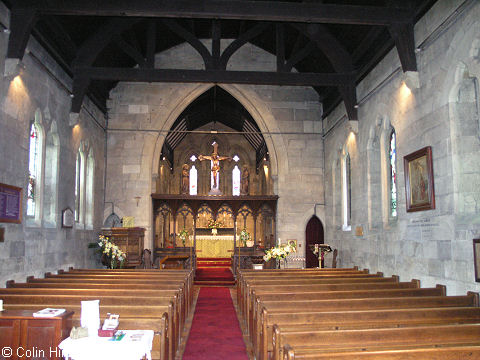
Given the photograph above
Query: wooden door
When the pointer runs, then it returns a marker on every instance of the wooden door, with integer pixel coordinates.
(313, 235)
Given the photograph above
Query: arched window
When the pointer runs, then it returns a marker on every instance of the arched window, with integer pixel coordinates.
(35, 169)
(193, 180)
(89, 193)
(346, 193)
(79, 186)
(52, 151)
(393, 173)
(236, 181)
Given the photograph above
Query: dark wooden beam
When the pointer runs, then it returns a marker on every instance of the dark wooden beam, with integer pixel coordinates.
(404, 38)
(192, 40)
(338, 57)
(90, 49)
(80, 86)
(219, 9)
(130, 51)
(299, 56)
(240, 41)
(280, 46)
(151, 43)
(216, 37)
(217, 76)
(21, 24)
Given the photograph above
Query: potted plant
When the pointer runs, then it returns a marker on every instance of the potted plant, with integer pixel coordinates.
(183, 235)
(111, 256)
(245, 238)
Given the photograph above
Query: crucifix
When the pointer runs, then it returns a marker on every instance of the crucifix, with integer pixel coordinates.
(215, 158)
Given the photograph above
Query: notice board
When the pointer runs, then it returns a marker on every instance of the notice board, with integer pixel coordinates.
(10, 204)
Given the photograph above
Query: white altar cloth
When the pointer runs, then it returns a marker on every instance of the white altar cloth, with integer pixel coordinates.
(131, 347)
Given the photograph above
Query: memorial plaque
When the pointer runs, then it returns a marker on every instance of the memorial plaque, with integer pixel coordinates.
(10, 204)
(68, 218)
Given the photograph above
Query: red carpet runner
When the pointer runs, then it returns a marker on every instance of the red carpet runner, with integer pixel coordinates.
(214, 272)
(215, 332)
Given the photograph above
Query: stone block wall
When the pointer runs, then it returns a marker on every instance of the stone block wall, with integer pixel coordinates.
(36, 247)
(289, 117)
(434, 245)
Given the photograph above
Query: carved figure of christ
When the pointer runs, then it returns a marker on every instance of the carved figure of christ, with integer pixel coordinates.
(215, 158)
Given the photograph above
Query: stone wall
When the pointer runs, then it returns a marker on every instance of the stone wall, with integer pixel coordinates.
(435, 245)
(289, 117)
(35, 247)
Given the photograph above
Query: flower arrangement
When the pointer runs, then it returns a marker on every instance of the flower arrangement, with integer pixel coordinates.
(279, 252)
(213, 224)
(183, 235)
(112, 256)
(245, 237)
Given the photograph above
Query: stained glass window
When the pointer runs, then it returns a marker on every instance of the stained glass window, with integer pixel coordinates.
(347, 192)
(393, 174)
(78, 183)
(33, 169)
(193, 180)
(236, 181)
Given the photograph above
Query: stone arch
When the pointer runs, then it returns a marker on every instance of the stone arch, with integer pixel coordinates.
(259, 111)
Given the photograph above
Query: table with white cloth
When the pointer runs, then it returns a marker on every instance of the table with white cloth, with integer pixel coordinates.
(220, 246)
(135, 345)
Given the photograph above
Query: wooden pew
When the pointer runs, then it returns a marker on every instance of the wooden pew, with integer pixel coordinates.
(252, 276)
(131, 318)
(327, 279)
(113, 289)
(340, 320)
(446, 352)
(371, 339)
(312, 306)
(245, 300)
(265, 300)
(120, 281)
(70, 301)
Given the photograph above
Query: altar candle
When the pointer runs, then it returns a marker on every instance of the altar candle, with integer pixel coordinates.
(279, 241)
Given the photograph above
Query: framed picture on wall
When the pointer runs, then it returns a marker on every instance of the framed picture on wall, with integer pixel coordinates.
(419, 189)
(292, 243)
(476, 258)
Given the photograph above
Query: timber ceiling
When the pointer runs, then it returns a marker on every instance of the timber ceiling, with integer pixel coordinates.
(331, 44)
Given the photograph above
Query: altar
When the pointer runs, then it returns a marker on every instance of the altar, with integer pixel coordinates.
(219, 246)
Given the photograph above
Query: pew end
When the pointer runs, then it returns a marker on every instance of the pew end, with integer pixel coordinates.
(476, 301)
(9, 283)
(30, 278)
(443, 288)
(416, 282)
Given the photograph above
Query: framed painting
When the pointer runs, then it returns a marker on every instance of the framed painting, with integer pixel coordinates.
(419, 188)
(10, 204)
(293, 243)
(476, 258)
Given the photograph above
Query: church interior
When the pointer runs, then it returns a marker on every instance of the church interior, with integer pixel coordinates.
(283, 169)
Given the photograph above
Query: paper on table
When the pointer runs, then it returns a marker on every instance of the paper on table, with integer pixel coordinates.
(90, 317)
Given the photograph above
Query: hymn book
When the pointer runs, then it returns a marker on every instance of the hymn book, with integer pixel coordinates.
(48, 312)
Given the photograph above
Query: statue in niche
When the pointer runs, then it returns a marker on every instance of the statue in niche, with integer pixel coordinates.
(215, 158)
(185, 179)
(245, 181)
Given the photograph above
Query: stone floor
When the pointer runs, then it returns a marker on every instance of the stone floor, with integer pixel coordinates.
(188, 325)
